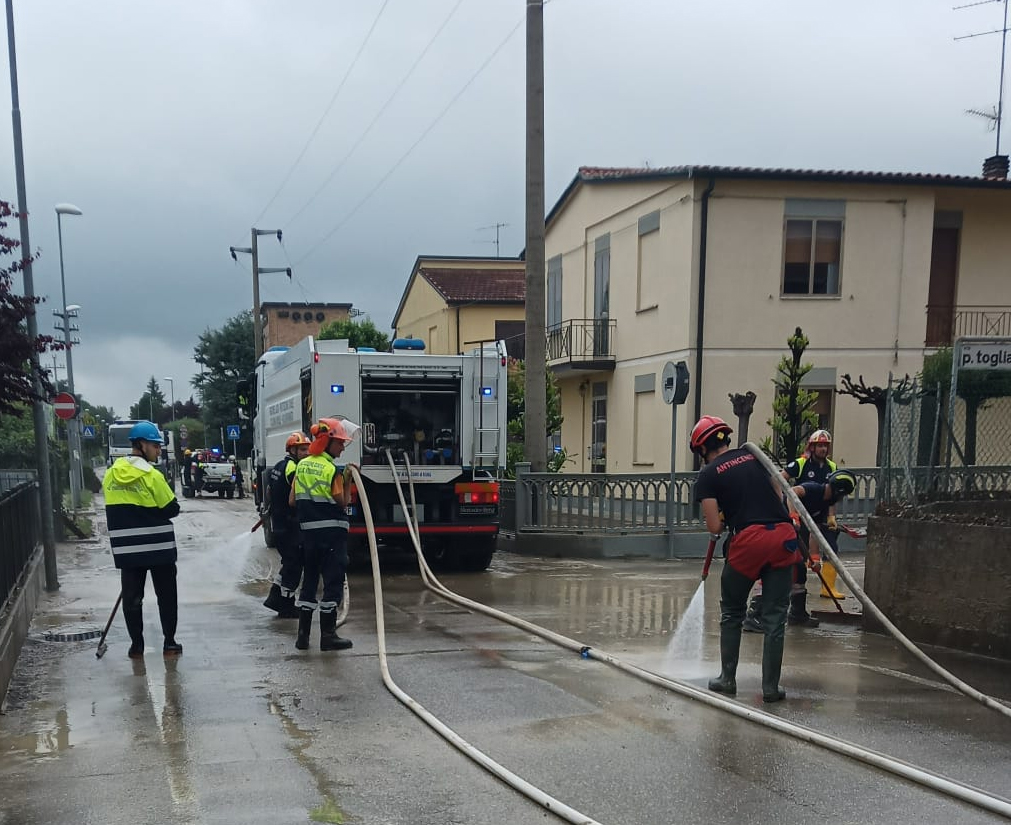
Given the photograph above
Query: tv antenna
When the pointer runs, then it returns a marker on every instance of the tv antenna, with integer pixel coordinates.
(496, 227)
(995, 116)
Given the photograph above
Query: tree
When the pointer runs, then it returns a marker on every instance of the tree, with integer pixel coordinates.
(151, 406)
(359, 334)
(17, 370)
(878, 397)
(515, 414)
(793, 412)
(226, 356)
(975, 387)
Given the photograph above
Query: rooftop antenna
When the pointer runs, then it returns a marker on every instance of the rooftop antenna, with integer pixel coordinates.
(496, 227)
(996, 115)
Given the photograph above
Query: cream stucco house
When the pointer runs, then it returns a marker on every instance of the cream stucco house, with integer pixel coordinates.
(716, 266)
(454, 303)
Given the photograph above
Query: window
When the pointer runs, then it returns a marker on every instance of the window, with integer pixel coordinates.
(812, 244)
(553, 304)
(649, 261)
(644, 419)
(601, 294)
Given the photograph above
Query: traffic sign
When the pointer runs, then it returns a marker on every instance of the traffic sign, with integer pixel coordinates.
(87, 431)
(183, 432)
(233, 432)
(65, 405)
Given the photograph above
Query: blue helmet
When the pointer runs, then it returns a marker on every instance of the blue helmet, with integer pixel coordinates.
(145, 431)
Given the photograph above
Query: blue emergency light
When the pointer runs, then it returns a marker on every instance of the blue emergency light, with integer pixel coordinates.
(486, 391)
(336, 389)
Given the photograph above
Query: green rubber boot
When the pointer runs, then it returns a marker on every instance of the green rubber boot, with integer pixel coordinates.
(730, 648)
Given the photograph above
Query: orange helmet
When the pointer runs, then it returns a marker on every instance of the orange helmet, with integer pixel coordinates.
(707, 427)
(819, 437)
(322, 431)
(295, 439)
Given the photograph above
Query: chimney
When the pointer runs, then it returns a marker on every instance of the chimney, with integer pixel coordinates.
(996, 167)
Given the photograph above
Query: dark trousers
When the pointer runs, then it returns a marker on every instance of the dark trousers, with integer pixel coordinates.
(133, 581)
(289, 546)
(326, 556)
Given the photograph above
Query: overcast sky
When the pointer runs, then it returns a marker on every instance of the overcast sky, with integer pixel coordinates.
(176, 126)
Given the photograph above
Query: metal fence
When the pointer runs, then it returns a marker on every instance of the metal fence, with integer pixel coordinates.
(932, 447)
(9, 479)
(630, 503)
(20, 533)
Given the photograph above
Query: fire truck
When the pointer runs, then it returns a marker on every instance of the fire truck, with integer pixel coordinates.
(445, 413)
(119, 445)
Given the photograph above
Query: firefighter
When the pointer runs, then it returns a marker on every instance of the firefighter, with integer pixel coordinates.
(763, 546)
(818, 498)
(139, 507)
(284, 526)
(813, 466)
(320, 495)
(187, 468)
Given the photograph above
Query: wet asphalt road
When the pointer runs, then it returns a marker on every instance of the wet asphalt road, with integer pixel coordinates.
(244, 728)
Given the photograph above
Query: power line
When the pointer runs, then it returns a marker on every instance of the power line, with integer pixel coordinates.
(413, 146)
(326, 112)
(382, 109)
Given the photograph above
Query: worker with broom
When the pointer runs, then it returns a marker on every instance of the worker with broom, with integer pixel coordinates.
(764, 545)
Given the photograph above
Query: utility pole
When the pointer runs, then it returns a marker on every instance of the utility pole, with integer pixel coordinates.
(257, 272)
(535, 447)
(38, 409)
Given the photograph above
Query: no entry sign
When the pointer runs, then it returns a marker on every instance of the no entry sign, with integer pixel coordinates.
(65, 405)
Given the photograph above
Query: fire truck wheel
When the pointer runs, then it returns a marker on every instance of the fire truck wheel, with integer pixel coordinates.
(474, 555)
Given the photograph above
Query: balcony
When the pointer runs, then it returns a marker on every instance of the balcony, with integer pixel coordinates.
(585, 344)
(946, 323)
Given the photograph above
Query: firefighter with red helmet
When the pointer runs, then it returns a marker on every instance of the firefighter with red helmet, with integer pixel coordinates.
(284, 526)
(320, 495)
(763, 546)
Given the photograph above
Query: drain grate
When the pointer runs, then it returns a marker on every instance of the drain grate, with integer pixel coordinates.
(72, 637)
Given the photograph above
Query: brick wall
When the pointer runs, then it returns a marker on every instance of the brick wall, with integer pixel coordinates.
(286, 332)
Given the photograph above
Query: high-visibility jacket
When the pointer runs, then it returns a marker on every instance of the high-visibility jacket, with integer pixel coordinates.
(139, 507)
(316, 483)
(795, 469)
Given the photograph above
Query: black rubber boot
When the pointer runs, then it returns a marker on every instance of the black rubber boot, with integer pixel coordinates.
(136, 650)
(274, 600)
(304, 626)
(798, 615)
(289, 611)
(753, 618)
(774, 619)
(730, 648)
(172, 648)
(328, 638)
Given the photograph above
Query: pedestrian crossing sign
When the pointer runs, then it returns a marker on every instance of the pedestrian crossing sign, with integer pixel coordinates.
(88, 431)
(233, 432)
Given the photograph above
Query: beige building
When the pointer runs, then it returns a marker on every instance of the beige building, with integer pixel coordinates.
(716, 266)
(454, 303)
(284, 325)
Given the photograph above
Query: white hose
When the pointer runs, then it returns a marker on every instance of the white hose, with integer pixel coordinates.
(921, 776)
(527, 789)
(862, 597)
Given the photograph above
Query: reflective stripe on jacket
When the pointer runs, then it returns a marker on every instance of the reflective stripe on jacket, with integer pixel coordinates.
(314, 501)
(139, 507)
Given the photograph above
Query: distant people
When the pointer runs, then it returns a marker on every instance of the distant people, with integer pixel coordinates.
(188, 468)
(198, 473)
(320, 496)
(237, 466)
(139, 507)
(763, 545)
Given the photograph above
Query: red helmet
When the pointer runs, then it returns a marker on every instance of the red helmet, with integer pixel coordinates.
(322, 431)
(708, 426)
(818, 437)
(295, 439)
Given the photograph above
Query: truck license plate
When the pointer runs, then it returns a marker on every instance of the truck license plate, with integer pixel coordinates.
(398, 514)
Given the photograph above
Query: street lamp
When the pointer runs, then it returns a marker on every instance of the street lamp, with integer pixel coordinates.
(172, 395)
(74, 424)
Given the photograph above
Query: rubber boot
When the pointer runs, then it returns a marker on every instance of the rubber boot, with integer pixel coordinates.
(304, 626)
(829, 573)
(171, 648)
(136, 650)
(730, 648)
(289, 611)
(274, 600)
(753, 618)
(798, 615)
(328, 638)
(772, 653)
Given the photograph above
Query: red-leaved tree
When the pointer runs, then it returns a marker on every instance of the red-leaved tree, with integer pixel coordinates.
(17, 380)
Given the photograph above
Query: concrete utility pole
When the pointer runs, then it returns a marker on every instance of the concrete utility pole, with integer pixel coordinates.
(535, 447)
(38, 409)
(257, 272)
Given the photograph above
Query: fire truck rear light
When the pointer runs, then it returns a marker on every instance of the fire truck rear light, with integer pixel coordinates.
(477, 493)
(315, 357)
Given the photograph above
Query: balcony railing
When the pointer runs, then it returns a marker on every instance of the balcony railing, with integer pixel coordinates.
(945, 323)
(581, 344)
